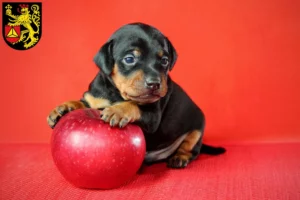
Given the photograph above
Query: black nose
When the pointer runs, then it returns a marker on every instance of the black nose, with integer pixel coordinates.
(153, 83)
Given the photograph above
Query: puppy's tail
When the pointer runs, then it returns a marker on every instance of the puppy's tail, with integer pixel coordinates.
(207, 149)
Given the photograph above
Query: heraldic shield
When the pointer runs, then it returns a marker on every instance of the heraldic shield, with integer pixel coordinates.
(22, 24)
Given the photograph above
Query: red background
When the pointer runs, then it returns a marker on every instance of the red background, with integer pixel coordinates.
(238, 60)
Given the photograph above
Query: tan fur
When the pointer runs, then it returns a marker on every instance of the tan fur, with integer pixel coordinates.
(184, 154)
(63, 108)
(164, 86)
(160, 53)
(128, 85)
(134, 84)
(190, 141)
(123, 110)
(96, 103)
(137, 52)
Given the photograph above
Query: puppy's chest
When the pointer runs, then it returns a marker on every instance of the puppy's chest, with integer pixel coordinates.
(163, 137)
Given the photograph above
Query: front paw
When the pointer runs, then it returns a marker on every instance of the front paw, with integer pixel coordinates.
(121, 114)
(61, 110)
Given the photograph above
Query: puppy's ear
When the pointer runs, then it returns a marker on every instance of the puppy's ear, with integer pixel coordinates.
(173, 54)
(104, 58)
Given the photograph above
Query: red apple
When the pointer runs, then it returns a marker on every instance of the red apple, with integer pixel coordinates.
(91, 154)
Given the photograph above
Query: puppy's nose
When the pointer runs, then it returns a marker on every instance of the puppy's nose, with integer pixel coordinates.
(153, 83)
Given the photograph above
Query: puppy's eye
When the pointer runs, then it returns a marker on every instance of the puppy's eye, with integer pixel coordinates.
(129, 59)
(164, 61)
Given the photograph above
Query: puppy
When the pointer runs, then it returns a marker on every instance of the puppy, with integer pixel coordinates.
(133, 86)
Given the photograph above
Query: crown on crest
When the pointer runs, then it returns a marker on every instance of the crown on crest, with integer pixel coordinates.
(23, 5)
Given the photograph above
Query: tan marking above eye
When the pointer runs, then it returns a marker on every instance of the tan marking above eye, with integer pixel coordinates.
(137, 52)
(160, 53)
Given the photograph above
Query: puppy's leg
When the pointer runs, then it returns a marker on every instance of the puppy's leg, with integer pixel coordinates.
(88, 101)
(120, 114)
(61, 110)
(187, 151)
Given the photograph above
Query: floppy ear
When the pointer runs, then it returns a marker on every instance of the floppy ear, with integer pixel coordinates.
(104, 58)
(173, 54)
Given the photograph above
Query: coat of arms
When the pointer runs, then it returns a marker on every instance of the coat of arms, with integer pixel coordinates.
(22, 24)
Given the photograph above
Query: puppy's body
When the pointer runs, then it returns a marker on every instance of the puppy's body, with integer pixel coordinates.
(133, 86)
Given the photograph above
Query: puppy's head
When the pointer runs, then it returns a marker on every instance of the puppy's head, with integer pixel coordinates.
(138, 58)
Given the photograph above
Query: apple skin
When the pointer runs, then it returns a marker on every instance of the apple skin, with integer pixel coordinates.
(91, 154)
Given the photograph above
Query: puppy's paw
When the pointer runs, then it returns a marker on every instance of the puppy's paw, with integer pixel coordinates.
(121, 114)
(61, 110)
(178, 161)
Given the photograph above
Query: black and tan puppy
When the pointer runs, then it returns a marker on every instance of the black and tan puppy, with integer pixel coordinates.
(133, 86)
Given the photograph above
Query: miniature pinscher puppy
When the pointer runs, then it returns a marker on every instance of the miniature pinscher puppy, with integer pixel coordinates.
(133, 86)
